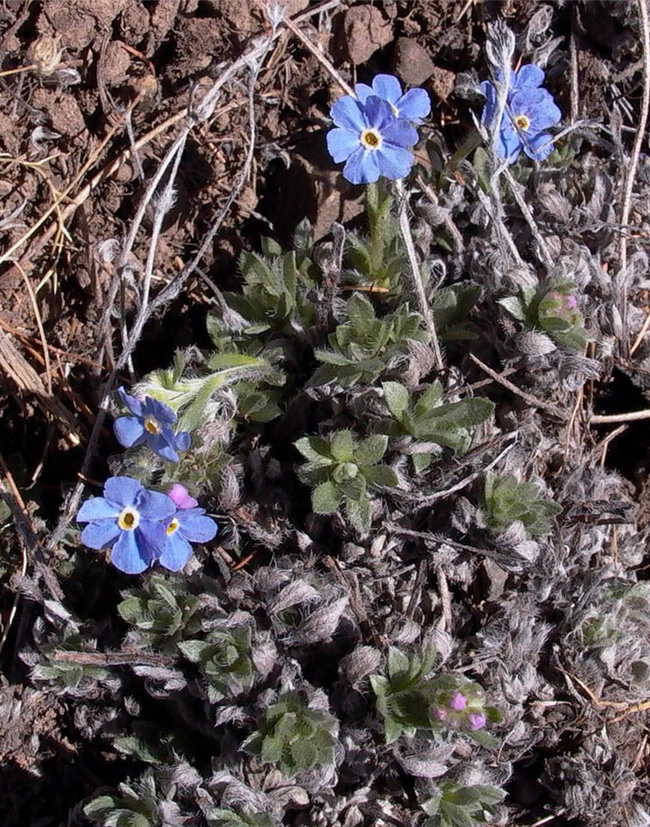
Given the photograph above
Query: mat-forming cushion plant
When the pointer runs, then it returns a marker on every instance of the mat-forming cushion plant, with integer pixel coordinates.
(369, 637)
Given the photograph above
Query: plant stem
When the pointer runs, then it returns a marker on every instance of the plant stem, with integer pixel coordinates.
(416, 274)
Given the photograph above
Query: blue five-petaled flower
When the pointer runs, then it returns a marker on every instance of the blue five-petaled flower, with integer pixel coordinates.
(529, 111)
(128, 519)
(374, 132)
(142, 527)
(151, 423)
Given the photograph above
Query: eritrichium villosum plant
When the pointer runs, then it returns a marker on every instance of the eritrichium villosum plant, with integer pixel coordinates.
(327, 427)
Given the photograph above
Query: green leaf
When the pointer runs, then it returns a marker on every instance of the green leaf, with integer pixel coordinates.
(468, 413)
(429, 401)
(397, 398)
(359, 514)
(315, 449)
(325, 498)
(343, 446)
(353, 488)
(515, 307)
(456, 816)
(392, 730)
(398, 662)
(483, 168)
(380, 476)
(360, 312)
(371, 450)
(270, 247)
(193, 649)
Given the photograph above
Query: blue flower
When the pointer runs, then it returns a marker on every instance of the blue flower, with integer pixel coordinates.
(187, 525)
(370, 139)
(130, 520)
(151, 423)
(529, 111)
(413, 105)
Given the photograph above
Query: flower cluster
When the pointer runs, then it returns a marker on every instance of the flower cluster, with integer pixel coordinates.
(529, 111)
(560, 304)
(460, 710)
(374, 132)
(142, 527)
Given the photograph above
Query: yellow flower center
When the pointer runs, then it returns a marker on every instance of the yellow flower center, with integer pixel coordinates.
(152, 426)
(522, 121)
(129, 519)
(395, 110)
(371, 139)
(173, 526)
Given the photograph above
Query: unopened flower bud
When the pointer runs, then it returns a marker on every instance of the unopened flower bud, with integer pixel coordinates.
(477, 721)
(180, 496)
(458, 701)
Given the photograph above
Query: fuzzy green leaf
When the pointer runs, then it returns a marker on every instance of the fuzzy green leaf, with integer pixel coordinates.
(380, 476)
(371, 450)
(326, 498)
(397, 398)
(359, 514)
(343, 446)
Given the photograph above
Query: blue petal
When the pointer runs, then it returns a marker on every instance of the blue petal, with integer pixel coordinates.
(379, 113)
(158, 410)
(348, 112)
(183, 440)
(162, 446)
(152, 540)
(126, 555)
(100, 534)
(341, 143)
(129, 431)
(122, 490)
(414, 105)
(153, 505)
(361, 167)
(400, 133)
(394, 161)
(529, 76)
(539, 147)
(195, 526)
(388, 88)
(133, 404)
(510, 142)
(490, 108)
(97, 508)
(363, 91)
(498, 76)
(545, 114)
(176, 554)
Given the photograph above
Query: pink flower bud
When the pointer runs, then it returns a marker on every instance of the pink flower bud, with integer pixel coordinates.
(180, 496)
(458, 701)
(439, 713)
(477, 721)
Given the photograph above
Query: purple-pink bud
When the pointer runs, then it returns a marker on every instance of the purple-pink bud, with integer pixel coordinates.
(477, 720)
(439, 713)
(570, 302)
(458, 701)
(180, 496)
